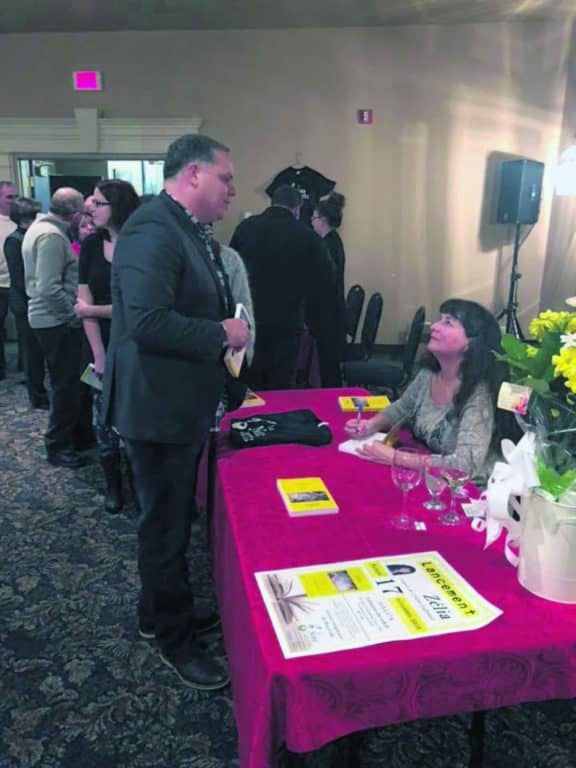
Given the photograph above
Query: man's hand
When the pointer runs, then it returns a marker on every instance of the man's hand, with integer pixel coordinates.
(237, 332)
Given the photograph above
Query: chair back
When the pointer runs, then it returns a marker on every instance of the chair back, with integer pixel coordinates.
(413, 341)
(371, 323)
(354, 304)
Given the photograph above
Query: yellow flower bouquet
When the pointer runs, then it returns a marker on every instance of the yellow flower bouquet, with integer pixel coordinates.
(547, 365)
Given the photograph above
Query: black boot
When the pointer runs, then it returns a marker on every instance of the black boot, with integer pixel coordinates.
(113, 501)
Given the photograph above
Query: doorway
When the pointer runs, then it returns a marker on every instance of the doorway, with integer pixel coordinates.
(40, 177)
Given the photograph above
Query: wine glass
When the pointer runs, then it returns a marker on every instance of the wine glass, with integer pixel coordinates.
(455, 479)
(406, 474)
(435, 481)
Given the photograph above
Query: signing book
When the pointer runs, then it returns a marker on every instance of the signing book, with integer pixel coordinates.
(306, 496)
(233, 358)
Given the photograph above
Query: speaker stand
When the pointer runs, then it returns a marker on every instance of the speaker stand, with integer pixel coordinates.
(509, 312)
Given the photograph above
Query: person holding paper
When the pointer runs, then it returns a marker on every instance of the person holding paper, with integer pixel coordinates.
(451, 404)
(164, 378)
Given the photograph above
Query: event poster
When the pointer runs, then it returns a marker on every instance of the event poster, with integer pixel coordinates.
(338, 606)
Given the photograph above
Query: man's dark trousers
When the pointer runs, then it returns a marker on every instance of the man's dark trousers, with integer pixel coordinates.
(61, 346)
(32, 359)
(165, 481)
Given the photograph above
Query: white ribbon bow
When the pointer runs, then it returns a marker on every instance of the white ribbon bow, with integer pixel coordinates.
(507, 481)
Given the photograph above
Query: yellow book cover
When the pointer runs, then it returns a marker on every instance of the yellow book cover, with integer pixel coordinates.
(306, 496)
(368, 403)
(252, 399)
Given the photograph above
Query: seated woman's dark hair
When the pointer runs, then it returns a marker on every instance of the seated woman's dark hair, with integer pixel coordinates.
(24, 209)
(331, 209)
(479, 363)
(123, 200)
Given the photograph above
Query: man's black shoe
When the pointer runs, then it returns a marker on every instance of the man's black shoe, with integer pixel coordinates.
(65, 458)
(200, 671)
(203, 620)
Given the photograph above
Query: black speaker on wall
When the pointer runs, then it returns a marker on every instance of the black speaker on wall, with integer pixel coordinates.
(520, 190)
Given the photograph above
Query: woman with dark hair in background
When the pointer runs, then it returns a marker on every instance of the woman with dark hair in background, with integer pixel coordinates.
(326, 311)
(23, 211)
(451, 404)
(112, 203)
(326, 219)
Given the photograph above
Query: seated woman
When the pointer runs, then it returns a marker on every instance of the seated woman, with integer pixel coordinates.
(451, 404)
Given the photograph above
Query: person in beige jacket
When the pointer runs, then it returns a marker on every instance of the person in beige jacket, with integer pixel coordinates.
(51, 273)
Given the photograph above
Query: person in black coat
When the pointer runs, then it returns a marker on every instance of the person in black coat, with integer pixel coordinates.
(164, 378)
(286, 266)
(23, 211)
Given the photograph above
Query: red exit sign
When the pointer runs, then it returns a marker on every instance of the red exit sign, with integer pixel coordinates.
(365, 116)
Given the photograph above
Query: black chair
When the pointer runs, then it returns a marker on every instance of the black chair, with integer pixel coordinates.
(363, 350)
(354, 304)
(386, 372)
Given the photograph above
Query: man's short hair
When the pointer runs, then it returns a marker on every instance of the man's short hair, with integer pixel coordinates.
(24, 209)
(193, 147)
(287, 197)
(6, 184)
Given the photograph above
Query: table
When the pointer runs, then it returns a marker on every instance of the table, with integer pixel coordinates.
(527, 654)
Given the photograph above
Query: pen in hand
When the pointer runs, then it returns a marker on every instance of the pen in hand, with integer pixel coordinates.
(359, 403)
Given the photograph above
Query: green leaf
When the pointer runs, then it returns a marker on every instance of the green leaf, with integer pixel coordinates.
(514, 348)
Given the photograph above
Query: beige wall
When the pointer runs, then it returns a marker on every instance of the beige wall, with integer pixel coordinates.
(420, 182)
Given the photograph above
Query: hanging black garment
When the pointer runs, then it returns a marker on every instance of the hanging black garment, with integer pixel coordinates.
(311, 184)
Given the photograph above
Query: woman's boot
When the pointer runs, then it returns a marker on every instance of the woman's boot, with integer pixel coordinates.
(113, 500)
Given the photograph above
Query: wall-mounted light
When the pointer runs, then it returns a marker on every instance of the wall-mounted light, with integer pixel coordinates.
(565, 172)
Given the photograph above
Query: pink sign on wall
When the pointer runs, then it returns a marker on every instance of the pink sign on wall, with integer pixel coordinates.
(88, 80)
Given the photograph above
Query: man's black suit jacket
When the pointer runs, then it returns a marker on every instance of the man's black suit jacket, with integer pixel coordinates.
(164, 374)
(287, 266)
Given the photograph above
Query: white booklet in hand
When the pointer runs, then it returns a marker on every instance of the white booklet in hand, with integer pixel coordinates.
(233, 358)
(351, 446)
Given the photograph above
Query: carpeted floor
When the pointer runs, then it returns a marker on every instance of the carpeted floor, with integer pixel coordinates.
(80, 689)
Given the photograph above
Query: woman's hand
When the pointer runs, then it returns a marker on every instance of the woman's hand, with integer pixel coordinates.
(99, 364)
(359, 429)
(376, 451)
(82, 309)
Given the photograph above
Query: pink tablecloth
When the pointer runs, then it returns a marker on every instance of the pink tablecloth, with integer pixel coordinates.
(527, 654)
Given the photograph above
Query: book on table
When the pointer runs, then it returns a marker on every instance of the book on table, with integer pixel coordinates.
(366, 403)
(306, 496)
(233, 358)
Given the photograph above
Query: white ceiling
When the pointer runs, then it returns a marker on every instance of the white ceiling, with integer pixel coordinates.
(25, 16)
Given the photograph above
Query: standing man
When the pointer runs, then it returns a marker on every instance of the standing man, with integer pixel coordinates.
(7, 226)
(51, 273)
(164, 377)
(287, 266)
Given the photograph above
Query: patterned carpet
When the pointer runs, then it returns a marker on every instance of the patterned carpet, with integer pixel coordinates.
(80, 689)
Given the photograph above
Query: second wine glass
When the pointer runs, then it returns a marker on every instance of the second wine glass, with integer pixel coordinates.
(406, 473)
(435, 481)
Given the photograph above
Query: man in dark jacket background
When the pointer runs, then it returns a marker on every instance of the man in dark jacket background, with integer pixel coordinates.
(164, 378)
(287, 265)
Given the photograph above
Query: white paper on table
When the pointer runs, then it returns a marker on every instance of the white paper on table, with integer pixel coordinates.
(351, 446)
